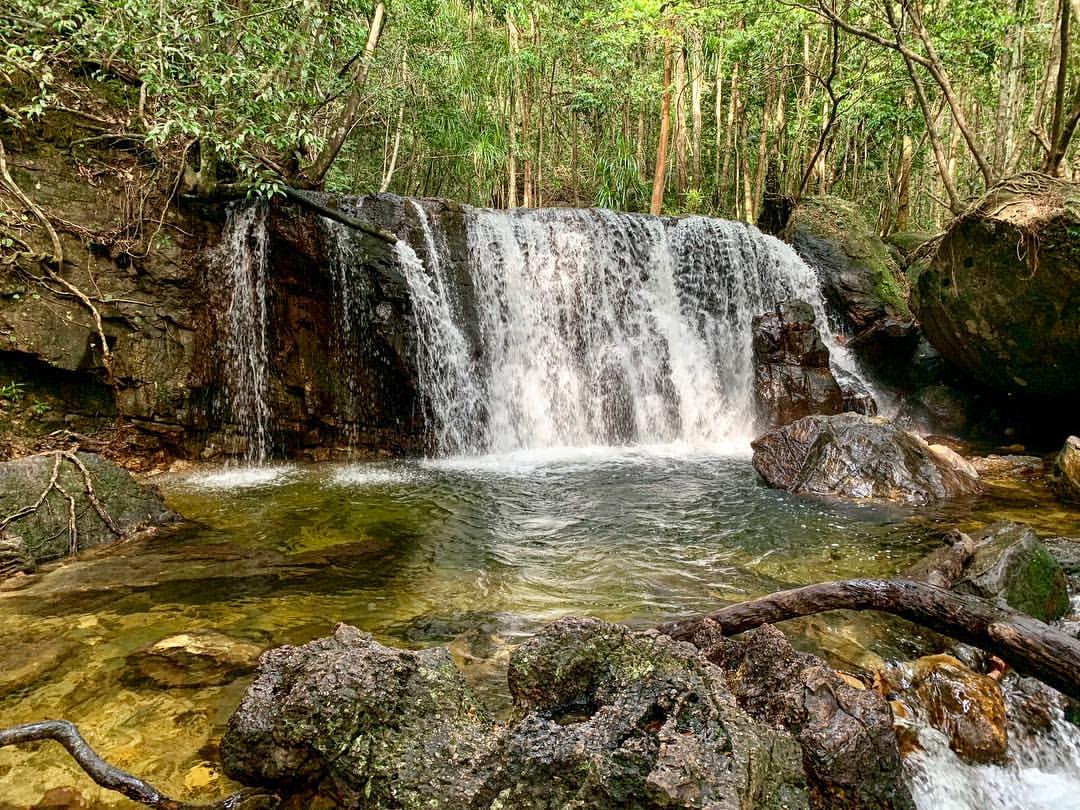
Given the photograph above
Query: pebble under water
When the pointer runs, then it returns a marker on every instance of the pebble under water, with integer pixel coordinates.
(474, 553)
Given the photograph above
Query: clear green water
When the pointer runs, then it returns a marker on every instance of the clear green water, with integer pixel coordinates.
(475, 554)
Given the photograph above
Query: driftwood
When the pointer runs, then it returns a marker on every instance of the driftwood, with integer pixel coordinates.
(1026, 644)
(113, 778)
(303, 199)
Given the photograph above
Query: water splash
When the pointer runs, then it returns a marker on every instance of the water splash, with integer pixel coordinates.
(600, 328)
(242, 257)
(1041, 773)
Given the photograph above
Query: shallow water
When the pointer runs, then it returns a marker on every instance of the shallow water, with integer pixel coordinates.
(475, 553)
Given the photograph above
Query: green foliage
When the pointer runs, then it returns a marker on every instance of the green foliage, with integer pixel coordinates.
(13, 391)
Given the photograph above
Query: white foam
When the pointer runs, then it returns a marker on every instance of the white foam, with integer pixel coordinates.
(241, 477)
(373, 475)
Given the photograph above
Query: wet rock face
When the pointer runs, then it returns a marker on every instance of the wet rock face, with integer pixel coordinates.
(850, 752)
(859, 276)
(362, 724)
(1065, 475)
(198, 658)
(791, 366)
(1010, 565)
(857, 456)
(1000, 297)
(966, 706)
(43, 534)
(620, 719)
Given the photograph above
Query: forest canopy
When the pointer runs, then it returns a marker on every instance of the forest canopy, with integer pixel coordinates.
(911, 108)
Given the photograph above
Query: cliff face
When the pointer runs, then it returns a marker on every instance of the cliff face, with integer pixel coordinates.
(147, 257)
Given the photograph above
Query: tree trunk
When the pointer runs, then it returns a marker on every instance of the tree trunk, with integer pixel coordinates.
(1026, 644)
(697, 91)
(343, 124)
(512, 103)
(1011, 66)
(656, 204)
(682, 136)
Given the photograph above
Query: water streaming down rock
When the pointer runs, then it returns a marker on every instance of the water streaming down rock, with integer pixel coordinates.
(242, 257)
(595, 327)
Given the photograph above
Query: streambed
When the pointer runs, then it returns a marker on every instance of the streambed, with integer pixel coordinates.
(475, 553)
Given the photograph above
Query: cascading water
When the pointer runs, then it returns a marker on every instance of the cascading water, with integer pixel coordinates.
(596, 327)
(242, 257)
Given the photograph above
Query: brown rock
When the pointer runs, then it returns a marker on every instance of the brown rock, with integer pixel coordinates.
(199, 658)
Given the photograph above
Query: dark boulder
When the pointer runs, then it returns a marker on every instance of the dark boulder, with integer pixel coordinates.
(361, 724)
(850, 752)
(1000, 296)
(857, 456)
(859, 276)
(43, 533)
(615, 719)
(791, 366)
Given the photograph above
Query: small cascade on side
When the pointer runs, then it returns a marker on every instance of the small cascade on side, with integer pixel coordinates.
(242, 258)
(447, 374)
(600, 328)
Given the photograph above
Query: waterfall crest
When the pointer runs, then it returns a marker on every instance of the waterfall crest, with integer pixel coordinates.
(598, 328)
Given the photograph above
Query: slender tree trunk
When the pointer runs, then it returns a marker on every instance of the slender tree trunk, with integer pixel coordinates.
(1011, 66)
(1063, 123)
(388, 175)
(718, 118)
(682, 136)
(903, 179)
(512, 105)
(731, 142)
(656, 204)
(344, 122)
(697, 91)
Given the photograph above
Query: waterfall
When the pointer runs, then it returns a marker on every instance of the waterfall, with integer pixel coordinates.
(596, 327)
(242, 258)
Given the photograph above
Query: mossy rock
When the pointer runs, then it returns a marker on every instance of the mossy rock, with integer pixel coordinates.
(859, 276)
(1000, 296)
(43, 533)
(1010, 565)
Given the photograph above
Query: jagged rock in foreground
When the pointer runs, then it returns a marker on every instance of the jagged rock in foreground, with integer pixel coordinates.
(792, 378)
(850, 752)
(857, 456)
(1000, 295)
(606, 718)
(42, 533)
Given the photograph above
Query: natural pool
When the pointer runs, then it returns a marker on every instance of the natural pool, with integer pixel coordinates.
(474, 553)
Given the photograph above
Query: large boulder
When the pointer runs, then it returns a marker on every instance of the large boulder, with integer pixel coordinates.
(850, 753)
(605, 718)
(1011, 566)
(857, 456)
(362, 724)
(859, 276)
(1000, 296)
(1065, 475)
(619, 719)
(791, 366)
(42, 533)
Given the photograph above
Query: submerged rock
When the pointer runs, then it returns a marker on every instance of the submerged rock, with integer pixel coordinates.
(1011, 566)
(1065, 476)
(198, 658)
(850, 752)
(857, 456)
(966, 706)
(42, 534)
(791, 366)
(1000, 296)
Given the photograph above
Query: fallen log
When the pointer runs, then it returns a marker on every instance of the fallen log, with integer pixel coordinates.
(1026, 644)
(302, 199)
(112, 778)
